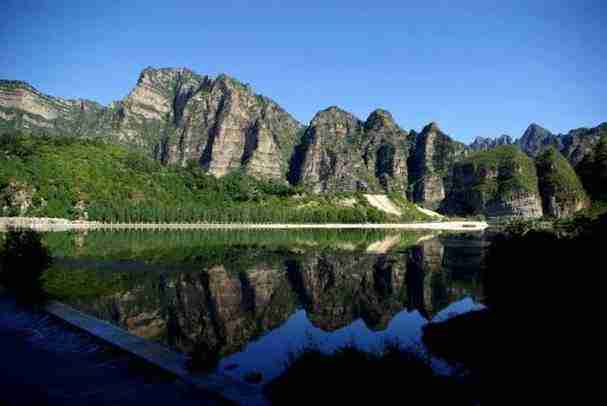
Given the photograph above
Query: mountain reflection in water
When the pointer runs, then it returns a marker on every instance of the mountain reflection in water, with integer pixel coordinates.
(256, 313)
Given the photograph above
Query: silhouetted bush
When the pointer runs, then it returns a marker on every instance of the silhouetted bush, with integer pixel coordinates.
(22, 263)
(541, 290)
(354, 376)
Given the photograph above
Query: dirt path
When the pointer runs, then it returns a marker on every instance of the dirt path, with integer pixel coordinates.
(429, 212)
(383, 203)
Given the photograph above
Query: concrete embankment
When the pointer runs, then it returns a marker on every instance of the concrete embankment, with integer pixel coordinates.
(47, 224)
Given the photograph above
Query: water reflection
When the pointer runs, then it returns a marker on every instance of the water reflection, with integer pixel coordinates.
(253, 316)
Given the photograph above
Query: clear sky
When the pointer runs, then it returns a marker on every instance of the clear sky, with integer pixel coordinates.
(476, 67)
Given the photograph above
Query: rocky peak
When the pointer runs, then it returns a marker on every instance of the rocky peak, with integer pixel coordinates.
(431, 128)
(339, 152)
(431, 158)
(536, 138)
(536, 131)
(337, 121)
(380, 119)
(486, 143)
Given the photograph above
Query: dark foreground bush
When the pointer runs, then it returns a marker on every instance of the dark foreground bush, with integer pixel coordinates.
(544, 303)
(352, 376)
(22, 263)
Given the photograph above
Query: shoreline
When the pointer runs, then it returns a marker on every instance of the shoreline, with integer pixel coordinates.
(52, 224)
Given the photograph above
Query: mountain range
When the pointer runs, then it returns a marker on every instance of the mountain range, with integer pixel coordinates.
(178, 117)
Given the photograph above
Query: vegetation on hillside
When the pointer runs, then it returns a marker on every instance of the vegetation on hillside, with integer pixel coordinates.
(89, 179)
(558, 180)
(515, 171)
(593, 171)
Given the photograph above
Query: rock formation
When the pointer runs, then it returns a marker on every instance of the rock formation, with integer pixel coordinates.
(483, 144)
(179, 117)
(175, 115)
(580, 142)
(561, 190)
(536, 138)
(593, 170)
(339, 152)
(498, 182)
(430, 164)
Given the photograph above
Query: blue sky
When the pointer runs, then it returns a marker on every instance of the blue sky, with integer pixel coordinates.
(476, 67)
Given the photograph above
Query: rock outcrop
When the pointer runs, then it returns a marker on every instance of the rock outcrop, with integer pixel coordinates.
(574, 145)
(175, 115)
(498, 182)
(430, 162)
(178, 117)
(580, 142)
(593, 170)
(536, 138)
(339, 152)
(486, 143)
(561, 190)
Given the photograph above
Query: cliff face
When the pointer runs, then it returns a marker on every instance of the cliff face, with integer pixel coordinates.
(486, 143)
(339, 152)
(176, 116)
(561, 190)
(536, 138)
(219, 123)
(498, 182)
(24, 107)
(574, 145)
(430, 164)
(593, 170)
(580, 142)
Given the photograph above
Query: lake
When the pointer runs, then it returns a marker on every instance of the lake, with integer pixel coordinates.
(251, 299)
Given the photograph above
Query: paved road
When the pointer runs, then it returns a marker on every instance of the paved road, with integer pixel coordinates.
(47, 362)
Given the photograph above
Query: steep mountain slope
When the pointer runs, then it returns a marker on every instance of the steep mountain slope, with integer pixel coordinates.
(174, 115)
(340, 153)
(574, 145)
(561, 190)
(485, 143)
(580, 142)
(430, 164)
(536, 138)
(499, 182)
(221, 127)
(593, 171)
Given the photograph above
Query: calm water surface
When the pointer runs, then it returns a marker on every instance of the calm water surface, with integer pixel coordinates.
(254, 298)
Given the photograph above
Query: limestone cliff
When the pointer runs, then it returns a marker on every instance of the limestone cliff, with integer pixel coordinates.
(175, 115)
(485, 143)
(340, 153)
(498, 182)
(430, 163)
(536, 138)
